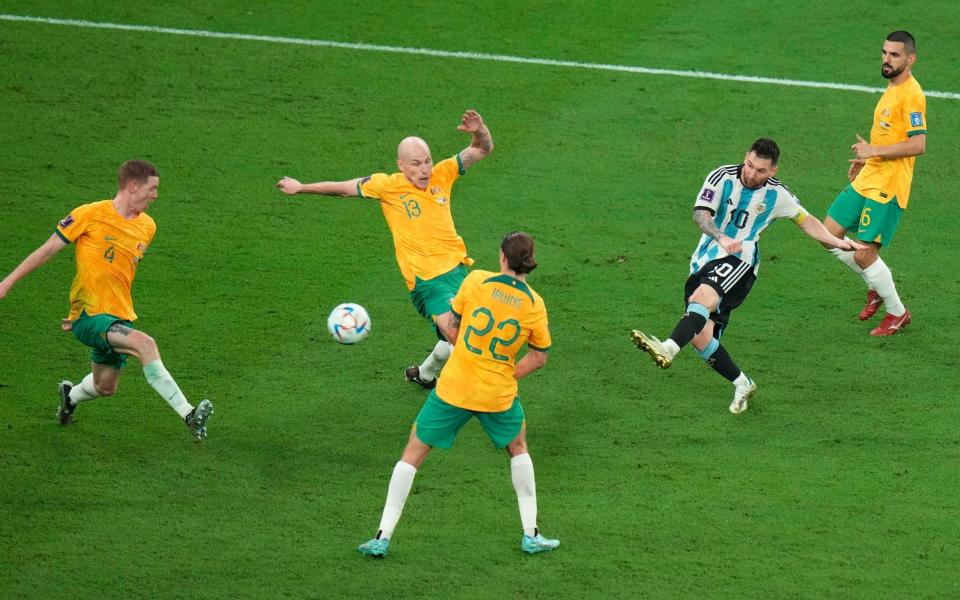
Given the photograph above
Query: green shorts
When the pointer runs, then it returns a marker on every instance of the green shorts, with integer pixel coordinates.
(438, 422)
(92, 331)
(874, 222)
(432, 297)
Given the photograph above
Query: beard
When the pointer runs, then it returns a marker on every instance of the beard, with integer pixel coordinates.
(891, 73)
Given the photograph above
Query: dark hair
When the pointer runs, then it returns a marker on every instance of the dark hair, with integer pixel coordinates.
(766, 148)
(135, 170)
(904, 37)
(517, 247)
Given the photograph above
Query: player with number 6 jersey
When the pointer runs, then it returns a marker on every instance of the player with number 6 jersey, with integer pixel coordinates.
(734, 206)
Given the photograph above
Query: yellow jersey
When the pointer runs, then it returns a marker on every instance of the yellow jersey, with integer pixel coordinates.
(109, 248)
(498, 315)
(424, 237)
(900, 113)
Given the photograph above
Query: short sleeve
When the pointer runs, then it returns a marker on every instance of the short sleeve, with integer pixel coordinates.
(540, 338)
(74, 224)
(371, 186)
(789, 208)
(915, 109)
(447, 171)
(709, 196)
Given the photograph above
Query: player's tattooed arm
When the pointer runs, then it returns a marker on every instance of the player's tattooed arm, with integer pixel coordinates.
(704, 221)
(481, 144)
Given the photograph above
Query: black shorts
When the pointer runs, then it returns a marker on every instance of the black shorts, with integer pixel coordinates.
(731, 278)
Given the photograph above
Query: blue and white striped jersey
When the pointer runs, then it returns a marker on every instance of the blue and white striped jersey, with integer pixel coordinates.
(741, 213)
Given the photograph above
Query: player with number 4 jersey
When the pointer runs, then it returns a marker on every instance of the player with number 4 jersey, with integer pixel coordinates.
(734, 206)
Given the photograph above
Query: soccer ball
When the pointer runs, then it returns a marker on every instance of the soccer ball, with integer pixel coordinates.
(349, 323)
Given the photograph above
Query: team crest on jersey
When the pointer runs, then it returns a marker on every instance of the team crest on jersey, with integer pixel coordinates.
(916, 119)
(707, 195)
(436, 190)
(761, 207)
(885, 113)
(66, 222)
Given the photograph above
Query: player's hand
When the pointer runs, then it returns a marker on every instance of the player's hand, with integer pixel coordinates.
(289, 186)
(471, 122)
(855, 165)
(848, 244)
(862, 149)
(66, 324)
(729, 244)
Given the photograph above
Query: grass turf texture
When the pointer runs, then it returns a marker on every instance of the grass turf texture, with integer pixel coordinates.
(840, 481)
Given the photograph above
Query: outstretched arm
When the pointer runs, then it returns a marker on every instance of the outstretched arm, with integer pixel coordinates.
(291, 186)
(704, 221)
(815, 229)
(481, 145)
(38, 257)
(531, 361)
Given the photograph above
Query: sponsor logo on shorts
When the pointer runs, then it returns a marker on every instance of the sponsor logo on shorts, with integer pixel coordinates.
(916, 119)
(66, 222)
(707, 195)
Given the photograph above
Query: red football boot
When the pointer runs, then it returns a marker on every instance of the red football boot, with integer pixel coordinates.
(892, 324)
(873, 305)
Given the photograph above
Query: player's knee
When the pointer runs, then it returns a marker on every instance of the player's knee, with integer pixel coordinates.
(105, 388)
(147, 346)
(866, 257)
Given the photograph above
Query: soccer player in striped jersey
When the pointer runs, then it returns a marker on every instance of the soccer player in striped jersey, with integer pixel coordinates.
(416, 205)
(493, 316)
(734, 206)
(111, 237)
(880, 177)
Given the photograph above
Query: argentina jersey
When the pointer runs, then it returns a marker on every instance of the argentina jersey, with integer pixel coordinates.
(741, 213)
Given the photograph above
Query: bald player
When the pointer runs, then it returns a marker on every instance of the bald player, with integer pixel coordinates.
(416, 204)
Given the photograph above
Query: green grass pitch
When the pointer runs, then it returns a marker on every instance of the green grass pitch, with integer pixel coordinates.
(839, 482)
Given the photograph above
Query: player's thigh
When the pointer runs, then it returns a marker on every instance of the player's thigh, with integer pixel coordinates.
(878, 222)
(845, 211)
(92, 332)
(437, 423)
(720, 276)
(432, 297)
(503, 427)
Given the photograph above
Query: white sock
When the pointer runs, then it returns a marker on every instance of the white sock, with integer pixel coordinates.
(671, 347)
(434, 363)
(400, 483)
(521, 471)
(159, 379)
(741, 379)
(846, 257)
(879, 278)
(84, 390)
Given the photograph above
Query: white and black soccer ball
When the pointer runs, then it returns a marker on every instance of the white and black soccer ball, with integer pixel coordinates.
(349, 323)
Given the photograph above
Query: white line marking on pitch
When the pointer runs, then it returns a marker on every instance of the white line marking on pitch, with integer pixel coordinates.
(464, 55)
